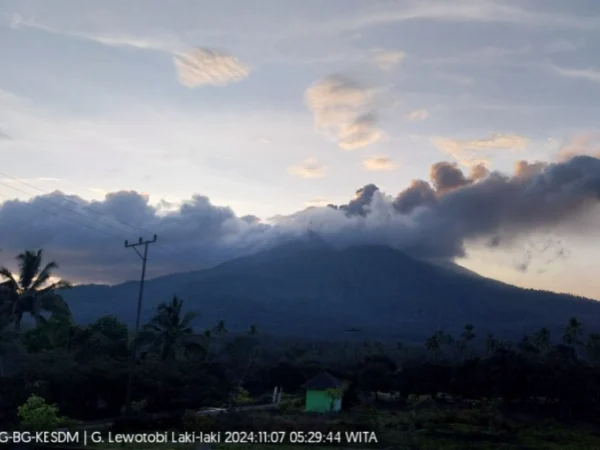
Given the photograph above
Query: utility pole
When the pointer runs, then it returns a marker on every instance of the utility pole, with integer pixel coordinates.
(137, 319)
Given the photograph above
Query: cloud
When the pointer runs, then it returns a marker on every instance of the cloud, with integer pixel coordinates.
(4, 136)
(484, 56)
(419, 114)
(563, 45)
(319, 201)
(583, 74)
(163, 42)
(447, 176)
(388, 59)
(202, 66)
(379, 163)
(31, 180)
(468, 151)
(344, 110)
(422, 220)
(582, 144)
(309, 168)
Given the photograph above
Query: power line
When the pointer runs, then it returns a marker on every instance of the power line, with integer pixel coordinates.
(79, 205)
(62, 217)
(166, 252)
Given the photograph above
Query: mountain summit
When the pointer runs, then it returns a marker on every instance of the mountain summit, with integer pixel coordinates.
(306, 287)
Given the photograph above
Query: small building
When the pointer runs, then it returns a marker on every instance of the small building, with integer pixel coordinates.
(323, 393)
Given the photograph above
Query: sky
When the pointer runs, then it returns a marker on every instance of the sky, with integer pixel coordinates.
(215, 124)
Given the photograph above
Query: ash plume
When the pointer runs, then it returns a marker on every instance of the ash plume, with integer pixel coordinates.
(434, 218)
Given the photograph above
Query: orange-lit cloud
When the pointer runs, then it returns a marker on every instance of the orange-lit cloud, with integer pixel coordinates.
(309, 168)
(200, 67)
(344, 110)
(379, 163)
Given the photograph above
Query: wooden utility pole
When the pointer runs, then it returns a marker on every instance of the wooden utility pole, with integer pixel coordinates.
(137, 319)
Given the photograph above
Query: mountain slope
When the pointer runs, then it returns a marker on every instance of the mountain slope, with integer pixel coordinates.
(309, 288)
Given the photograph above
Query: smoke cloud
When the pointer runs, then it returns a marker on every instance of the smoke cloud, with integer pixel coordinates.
(435, 218)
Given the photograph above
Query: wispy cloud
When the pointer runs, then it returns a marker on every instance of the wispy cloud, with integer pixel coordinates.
(202, 66)
(30, 180)
(158, 41)
(485, 55)
(585, 74)
(320, 201)
(309, 168)
(581, 144)
(468, 151)
(98, 191)
(388, 59)
(563, 46)
(344, 110)
(419, 114)
(379, 163)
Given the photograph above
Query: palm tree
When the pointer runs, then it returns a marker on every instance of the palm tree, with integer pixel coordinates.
(593, 347)
(572, 333)
(491, 344)
(542, 340)
(466, 336)
(217, 330)
(433, 345)
(220, 328)
(32, 293)
(169, 332)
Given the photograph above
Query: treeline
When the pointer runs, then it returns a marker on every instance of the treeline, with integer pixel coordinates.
(84, 369)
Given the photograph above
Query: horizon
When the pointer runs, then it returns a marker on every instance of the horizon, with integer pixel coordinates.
(225, 133)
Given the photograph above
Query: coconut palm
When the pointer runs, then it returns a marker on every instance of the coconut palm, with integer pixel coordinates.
(220, 328)
(433, 345)
(491, 344)
(573, 331)
(170, 332)
(32, 293)
(542, 340)
(593, 347)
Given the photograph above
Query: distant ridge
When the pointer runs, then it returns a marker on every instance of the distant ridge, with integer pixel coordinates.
(306, 284)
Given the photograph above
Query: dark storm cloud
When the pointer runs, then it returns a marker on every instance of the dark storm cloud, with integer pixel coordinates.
(420, 220)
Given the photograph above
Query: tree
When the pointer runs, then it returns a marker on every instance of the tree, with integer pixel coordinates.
(433, 345)
(169, 333)
(217, 330)
(37, 415)
(491, 344)
(572, 333)
(32, 293)
(220, 328)
(593, 347)
(9, 340)
(466, 336)
(542, 340)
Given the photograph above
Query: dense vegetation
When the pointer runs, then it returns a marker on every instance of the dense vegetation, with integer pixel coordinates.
(397, 390)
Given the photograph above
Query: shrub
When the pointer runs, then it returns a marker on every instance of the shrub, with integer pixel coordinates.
(191, 421)
(37, 415)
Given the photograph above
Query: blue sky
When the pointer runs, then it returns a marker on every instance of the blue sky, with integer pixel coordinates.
(178, 98)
